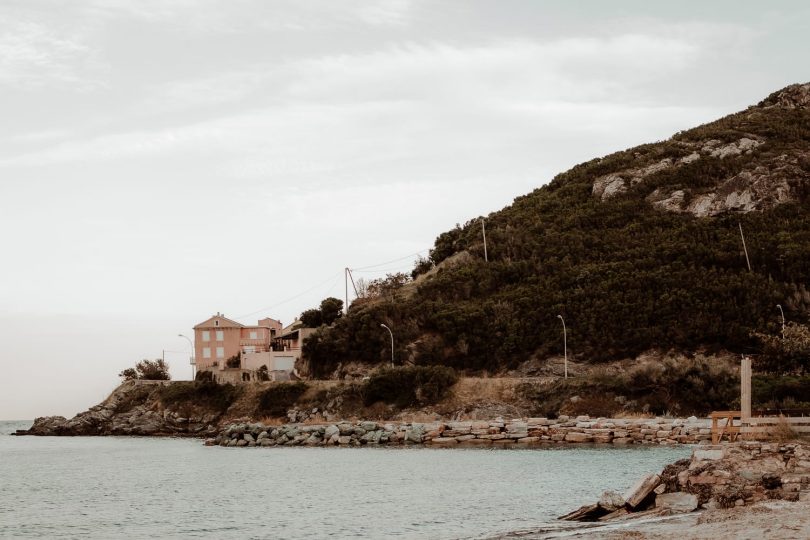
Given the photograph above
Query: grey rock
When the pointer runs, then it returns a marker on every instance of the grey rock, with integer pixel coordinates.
(611, 501)
(677, 502)
(330, 430)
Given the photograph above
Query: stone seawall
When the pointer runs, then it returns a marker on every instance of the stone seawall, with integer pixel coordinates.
(498, 432)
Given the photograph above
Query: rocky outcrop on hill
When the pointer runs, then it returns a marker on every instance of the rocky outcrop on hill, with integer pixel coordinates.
(132, 409)
(715, 477)
(765, 181)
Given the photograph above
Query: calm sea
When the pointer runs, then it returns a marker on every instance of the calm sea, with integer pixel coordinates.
(109, 487)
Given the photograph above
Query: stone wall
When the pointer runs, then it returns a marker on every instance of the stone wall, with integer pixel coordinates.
(498, 432)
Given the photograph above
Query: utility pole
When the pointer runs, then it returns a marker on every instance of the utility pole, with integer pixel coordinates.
(392, 343)
(347, 275)
(565, 344)
(484, 234)
(747, 260)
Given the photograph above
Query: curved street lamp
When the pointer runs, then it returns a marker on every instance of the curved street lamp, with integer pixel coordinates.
(783, 319)
(191, 358)
(565, 344)
(392, 343)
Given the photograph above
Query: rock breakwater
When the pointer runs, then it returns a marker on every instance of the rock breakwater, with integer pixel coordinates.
(497, 432)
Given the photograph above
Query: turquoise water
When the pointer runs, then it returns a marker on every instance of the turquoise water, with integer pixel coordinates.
(113, 487)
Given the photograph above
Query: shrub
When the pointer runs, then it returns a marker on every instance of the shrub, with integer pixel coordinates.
(276, 400)
(409, 386)
(262, 374)
(780, 392)
(675, 386)
(205, 394)
(234, 361)
(147, 370)
(204, 375)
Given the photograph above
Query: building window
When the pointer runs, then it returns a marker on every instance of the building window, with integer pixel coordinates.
(206, 335)
(206, 352)
(220, 335)
(220, 352)
(254, 335)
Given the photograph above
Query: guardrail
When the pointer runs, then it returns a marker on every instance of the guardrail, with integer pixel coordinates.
(731, 425)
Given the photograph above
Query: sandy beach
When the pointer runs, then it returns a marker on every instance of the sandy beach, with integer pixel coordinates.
(764, 520)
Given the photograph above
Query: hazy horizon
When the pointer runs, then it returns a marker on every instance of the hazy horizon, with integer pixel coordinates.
(161, 161)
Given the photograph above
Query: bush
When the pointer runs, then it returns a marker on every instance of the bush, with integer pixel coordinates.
(234, 361)
(276, 400)
(674, 386)
(778, 392)
(204, 375)
(262, 374)
(147, 370)
(204, 394)
(409, 386)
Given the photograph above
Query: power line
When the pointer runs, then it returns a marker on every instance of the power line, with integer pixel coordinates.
(291, 298)
(391, 261)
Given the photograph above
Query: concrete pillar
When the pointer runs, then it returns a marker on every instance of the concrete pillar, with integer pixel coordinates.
(745, 388)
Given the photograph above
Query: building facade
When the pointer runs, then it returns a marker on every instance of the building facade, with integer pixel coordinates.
(234, 352)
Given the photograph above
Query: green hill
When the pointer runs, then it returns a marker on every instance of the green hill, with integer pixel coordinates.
(638, 250)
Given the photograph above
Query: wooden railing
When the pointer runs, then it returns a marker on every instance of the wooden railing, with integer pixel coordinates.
(731, 425)
(756, 428)
(728, 428)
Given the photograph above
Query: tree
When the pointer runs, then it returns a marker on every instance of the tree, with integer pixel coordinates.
(147, 370)
(312, 318)
(387, 285)
(331, 310)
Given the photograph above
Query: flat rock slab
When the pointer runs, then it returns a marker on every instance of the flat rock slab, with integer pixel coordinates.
(707, 455)
(641, 489)
(677, 503)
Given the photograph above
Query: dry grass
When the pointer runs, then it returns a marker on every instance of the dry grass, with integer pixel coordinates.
(630, 415)
(270, 421)
(420, 417)
(783, 432)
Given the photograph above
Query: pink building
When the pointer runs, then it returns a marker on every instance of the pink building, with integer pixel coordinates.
(234, 352)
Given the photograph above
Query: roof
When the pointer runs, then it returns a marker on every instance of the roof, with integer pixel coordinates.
(224, 322)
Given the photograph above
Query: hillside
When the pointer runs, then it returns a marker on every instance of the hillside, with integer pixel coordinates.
(638, 250)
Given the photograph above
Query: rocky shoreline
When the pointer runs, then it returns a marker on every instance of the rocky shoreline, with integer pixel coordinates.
(715, 477)
(497, 433)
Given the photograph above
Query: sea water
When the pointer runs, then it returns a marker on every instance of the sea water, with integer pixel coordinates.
(122, 487)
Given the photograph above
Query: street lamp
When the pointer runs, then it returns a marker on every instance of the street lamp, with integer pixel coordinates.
(783, 319)
(565, 344)
(191, 358)
(392, 343)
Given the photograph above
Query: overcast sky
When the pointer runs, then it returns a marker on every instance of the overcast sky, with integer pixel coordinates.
(164, 160)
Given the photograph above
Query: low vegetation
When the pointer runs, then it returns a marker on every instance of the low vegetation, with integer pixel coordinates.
(198, 394)
(677, 387)
(279, 397)
(409, 386)
(147, 370)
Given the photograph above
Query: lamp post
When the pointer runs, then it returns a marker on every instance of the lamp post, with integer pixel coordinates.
(565, 344)
(191, 358)
(392, 343)
(783, 319)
